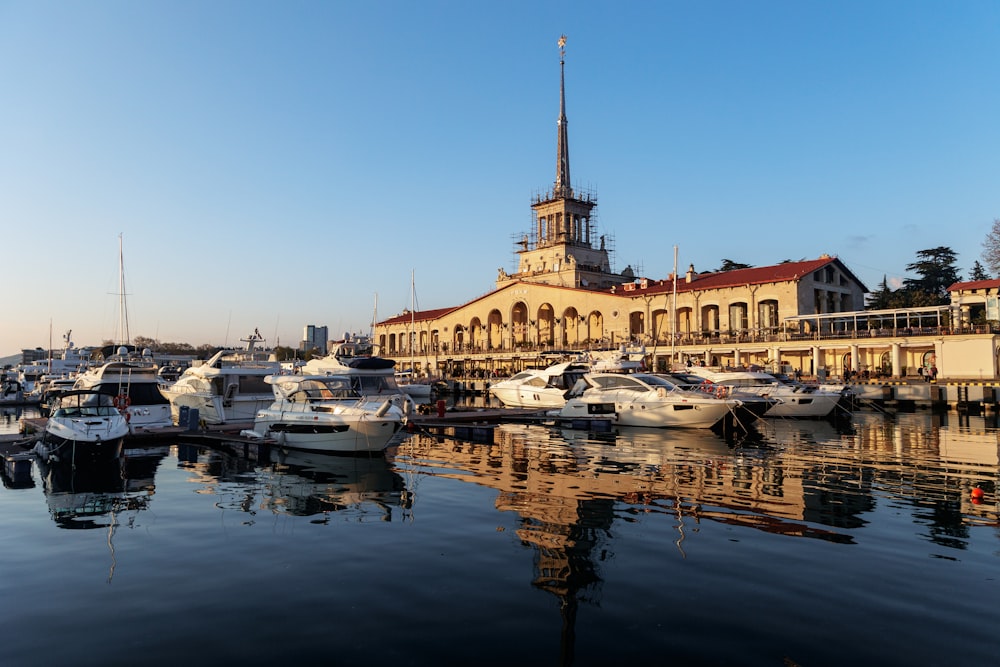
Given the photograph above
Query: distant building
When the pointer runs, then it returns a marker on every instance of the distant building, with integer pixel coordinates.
(314, 338)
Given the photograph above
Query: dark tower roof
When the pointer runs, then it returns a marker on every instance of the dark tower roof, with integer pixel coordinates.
(563, 187)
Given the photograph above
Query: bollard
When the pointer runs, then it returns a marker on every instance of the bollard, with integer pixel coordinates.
(193, 419)
(440, 407)
(182, 415)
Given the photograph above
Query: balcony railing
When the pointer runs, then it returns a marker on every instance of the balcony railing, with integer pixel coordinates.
(689, 340)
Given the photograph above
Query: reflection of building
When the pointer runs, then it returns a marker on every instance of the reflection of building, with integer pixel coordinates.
(565, 295)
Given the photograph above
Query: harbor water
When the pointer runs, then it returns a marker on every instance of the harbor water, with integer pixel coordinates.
(872, 541)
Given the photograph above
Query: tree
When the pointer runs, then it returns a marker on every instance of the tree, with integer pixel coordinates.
(937, 270)
(991, 247)
(978, 272)
(880, 299)
(730, 265)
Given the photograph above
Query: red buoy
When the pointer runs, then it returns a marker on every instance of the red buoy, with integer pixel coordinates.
(977, 493)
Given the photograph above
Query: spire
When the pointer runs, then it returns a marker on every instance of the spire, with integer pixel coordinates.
(563, 188)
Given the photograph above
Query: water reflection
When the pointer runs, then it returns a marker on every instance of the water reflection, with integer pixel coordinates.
(801, 479)
(305, 484)
(295, 483)
(91, 496)
(102, 495)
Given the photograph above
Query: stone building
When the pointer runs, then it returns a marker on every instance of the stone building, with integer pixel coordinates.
(565, 297)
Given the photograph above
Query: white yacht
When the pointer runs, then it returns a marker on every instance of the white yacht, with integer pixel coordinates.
(793, 399)
(85, 426)
(539, 387)
(228, 387)
(368, 374)
(67, 362)
(131, 379)
(323, 413)
(416, 388)
(644, 399)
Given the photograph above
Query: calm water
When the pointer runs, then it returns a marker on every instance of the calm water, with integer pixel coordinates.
(807, 545)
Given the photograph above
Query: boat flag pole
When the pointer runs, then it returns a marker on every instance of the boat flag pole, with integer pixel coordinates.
(673, 319)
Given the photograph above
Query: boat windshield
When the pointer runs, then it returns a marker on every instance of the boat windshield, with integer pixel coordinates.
(337, 387)
(654, 380)
(85, 405)
(635, 382)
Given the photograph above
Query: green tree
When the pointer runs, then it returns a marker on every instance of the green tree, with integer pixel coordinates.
(978, 272)
(730, 265)
(882, 298)
(991, 247)
(937, 270)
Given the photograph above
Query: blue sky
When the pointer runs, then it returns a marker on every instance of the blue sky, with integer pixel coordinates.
(272, 165)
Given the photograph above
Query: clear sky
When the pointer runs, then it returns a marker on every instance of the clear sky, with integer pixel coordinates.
(276, 164)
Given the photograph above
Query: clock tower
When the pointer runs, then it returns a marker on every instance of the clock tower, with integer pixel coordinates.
(560, 249)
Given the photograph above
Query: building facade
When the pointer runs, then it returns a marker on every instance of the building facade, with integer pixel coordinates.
(314, 338)
(565, 296)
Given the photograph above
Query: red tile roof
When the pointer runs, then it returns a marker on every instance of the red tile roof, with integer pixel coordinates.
(758, 275)
(786, 271)
(418, 316)
(974, 284)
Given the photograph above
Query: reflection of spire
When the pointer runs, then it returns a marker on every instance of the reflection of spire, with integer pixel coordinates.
(565, 560)
(563, 187)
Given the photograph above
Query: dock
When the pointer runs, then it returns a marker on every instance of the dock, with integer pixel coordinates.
(479, 424)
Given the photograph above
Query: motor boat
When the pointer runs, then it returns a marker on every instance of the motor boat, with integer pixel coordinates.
(323, 413)
(11, 390)
(751, 407)
(794, 399)
(369, 375)
(228, 387)
(415, 387)
(49, 390)
(645, 399)
(85, 426)
(33, 377)
(540, 387)
(130, 378)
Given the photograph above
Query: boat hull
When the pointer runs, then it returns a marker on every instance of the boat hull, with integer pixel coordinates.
(214, 409)
(328, 434)
(525, 396)
(417, 390)
(650, 413)
(62, 446)
(790, 404)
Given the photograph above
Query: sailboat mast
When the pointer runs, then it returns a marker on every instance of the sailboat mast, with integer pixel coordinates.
(123, 333)
(413, 321)
(673, 319)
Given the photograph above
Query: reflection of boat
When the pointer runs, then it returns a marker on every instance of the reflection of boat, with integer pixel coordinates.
(794, 399)
(324, 413)
(88, 497)
(229, 387)
(539, 387)
(84, 426)
(312, 483)
(644, 399)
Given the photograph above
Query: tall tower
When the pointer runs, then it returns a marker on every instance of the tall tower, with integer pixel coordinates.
(560, 250)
